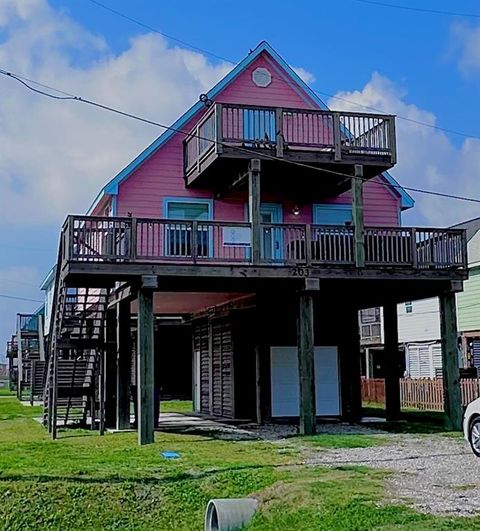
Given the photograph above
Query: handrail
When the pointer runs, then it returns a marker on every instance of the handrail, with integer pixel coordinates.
(127, 239)
(341, 134)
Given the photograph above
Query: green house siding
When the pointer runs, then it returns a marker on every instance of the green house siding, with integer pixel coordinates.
(468, 303)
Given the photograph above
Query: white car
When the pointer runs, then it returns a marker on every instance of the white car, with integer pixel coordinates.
(471, 425)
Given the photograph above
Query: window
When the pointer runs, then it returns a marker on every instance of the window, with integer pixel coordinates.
(332, 214)
(409, 307)
(178, 235)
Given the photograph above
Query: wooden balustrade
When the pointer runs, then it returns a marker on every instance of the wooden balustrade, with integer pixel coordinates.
(94, 239)
(280, 129)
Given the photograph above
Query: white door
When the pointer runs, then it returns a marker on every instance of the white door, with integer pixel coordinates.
(285, 387)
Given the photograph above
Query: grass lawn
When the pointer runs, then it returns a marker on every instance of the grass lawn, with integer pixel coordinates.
(5, 392)
(86, 482)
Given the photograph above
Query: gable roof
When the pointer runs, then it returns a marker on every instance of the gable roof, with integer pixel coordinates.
(111, 188)
(471, 226)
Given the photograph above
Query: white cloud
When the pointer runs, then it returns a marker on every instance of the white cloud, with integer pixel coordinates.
(55, 156)
(427, 158)
(307, 76)
(465, 45)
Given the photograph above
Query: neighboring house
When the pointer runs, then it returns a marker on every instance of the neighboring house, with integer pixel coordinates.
(370, 324)
(48, 286)
(260, 223)
(419, 323)
(27, 347)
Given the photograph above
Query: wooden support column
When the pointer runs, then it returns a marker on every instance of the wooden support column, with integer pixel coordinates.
(306, 360)
(392, 362)
(451, 379)
(110, 369)
(19, 358)
(124, 349)
(41, 337)
(145, 375)
(350, 363)
(357, 212)
(254, 208)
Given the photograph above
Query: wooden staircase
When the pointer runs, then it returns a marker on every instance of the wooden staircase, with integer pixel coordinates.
(74, 388)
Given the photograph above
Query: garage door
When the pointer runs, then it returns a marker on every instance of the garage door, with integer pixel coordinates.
(284, 381)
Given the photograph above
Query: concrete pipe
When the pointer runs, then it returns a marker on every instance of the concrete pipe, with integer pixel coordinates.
(229, 514)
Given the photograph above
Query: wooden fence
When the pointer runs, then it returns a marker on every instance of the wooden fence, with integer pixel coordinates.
(423, 394)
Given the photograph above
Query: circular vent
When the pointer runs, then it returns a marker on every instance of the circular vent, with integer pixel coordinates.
(261, 77)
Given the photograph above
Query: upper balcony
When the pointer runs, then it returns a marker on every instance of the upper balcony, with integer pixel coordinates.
(27, 324)
(229, 133)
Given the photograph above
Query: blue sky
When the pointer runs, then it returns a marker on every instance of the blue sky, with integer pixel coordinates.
(55, 156)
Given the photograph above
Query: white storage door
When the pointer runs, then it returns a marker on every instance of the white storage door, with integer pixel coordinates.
(285, 386)
(284, 378)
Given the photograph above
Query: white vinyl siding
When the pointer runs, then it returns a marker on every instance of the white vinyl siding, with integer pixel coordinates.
(423, 360)
(421, 324)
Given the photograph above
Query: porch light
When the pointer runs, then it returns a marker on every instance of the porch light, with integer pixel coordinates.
(296, 210)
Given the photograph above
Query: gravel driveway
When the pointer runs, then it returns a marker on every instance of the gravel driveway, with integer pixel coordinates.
(432, 473)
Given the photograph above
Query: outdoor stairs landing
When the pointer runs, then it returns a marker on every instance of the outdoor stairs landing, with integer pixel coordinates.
(73, 387)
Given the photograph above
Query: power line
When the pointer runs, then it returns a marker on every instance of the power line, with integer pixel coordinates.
(418, 9)
(237, 148)
(19, 298)
(154, 30)
(18, 282)
(318, 92)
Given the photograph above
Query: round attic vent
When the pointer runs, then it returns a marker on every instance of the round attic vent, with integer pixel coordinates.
(261, 77)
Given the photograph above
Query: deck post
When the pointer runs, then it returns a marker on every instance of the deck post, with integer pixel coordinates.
(110, 368)
(123, 365)
(392, 375)
(350, 364)
(254, 208)
(19, 358)
(41, 338)
(357, 212)
(306, 360)
(145, 376)
(451, 378)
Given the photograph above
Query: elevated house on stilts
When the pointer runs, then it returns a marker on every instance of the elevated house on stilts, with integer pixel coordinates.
(235, 253)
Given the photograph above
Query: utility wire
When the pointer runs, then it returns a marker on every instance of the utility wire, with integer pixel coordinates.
(318, 92)
(18, 282)
(418, 9)
(154, 30)
(237, 148)
(19, 298)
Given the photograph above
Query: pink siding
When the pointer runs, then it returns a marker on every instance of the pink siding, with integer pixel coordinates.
(381, 204)
(280, 92)
(161, 176)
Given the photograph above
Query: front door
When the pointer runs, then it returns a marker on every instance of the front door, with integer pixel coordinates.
(272, 247)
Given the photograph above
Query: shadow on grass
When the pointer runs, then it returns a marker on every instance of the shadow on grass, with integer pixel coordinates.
(412, 421)
(170, 479)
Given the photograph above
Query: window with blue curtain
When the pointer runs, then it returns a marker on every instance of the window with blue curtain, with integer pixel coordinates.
(179, 235)
(332, 214)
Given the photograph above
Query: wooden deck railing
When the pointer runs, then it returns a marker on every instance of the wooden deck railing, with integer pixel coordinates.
(110, 239)
(279, 129)
(423, 394)
(28, 323)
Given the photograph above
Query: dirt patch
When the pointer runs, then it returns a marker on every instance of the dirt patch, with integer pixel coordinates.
(432, 473)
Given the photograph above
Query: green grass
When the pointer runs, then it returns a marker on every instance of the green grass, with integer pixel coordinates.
(413, 421)
(176, 406)
(344, 440)
(86, 482)
(4, 391)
